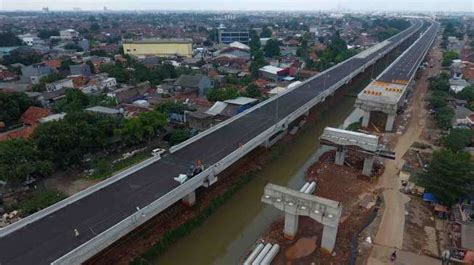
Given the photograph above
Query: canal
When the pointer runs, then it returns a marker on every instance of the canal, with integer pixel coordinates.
(229, 233)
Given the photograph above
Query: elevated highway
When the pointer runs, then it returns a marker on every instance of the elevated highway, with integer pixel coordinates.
(388, 92)
(104, 213)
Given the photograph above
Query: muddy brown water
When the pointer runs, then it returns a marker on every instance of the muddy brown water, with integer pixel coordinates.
(229, 233)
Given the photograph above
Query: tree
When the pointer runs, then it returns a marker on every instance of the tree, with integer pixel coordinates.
(438, 99)
(457, 139)
(20, 159)
(178, 136)
(12, 106)
(440, 83)
(146, 126)
(272, 48)
(46, 33)
(8, 39)
(65, 64)
(467, 93)
(252, 91)
(254, 43)
(448, 57)
(444, 116)
(75, 100)
(266, 33)
(117, 71)
(449, 176)
(95, 26)
(221, 94)
(73, 46)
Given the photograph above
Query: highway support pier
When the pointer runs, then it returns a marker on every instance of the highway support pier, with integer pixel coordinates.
(344, 140)
(295, 203)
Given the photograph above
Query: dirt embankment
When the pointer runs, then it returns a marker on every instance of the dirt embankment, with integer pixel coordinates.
(340, 183)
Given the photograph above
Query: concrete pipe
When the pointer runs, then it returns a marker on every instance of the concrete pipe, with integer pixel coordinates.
(305, 186)
(311, 187)
(271, 255)
(254, 254)
(262, 254)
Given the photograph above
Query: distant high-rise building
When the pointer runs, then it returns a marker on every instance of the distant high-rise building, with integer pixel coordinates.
(227, 36)
(45, 9)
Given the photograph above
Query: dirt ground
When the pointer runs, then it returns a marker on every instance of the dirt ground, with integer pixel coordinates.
(349, 188)
(405, 223)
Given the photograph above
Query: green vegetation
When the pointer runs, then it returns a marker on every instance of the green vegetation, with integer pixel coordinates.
(73, 46)
(116, 70)
(354, 126)
(266, 33)
(144, 127)
(41, 86)
(46, 33)
(19, 159)
(444, 116)
(457, 139)
(12, 106)
(24, 56)
(336, 52)
(449, 176)
(448, 56)
(178, 136)
(40, 200)
(272, 48)
(252, 91)
(221, 94)
(103, 168)
(8, 39)
(171, 236)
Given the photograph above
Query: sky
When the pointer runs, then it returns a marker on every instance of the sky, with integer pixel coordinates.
(243, 5)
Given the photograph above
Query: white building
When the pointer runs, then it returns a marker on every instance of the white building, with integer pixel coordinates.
(30, 40)
(68, 34)
(59, 84)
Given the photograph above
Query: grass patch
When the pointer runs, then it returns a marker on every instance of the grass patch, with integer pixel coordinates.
(40, 200)
(171, 236)
(103, 168)
(354, 126)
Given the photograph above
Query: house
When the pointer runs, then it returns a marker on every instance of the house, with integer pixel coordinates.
(191, 86)
(6, 75)
(104, 111)
(33, 115)
(463, 117)
(237, 105)
(53, 117)
(68, 34)
(57, 85)
(457, 85)
(48, 98)
(273, 73)
(130, 94)
(199, 120)
(80, 69)
(34, 72)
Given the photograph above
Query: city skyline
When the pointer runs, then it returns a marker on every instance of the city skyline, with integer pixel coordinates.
(261, 5)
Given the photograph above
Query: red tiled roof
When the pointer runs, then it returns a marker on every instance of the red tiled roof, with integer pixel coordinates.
(53, 63)
(24, 132)
(33, 114)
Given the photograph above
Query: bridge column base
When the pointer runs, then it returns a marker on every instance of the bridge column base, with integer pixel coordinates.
(368, 165)
(340, 157)
(365, 118)
(328, 241)
(291, 225)
(190, 199)
(389, 123)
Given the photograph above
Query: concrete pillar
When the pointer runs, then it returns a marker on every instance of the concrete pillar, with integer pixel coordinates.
(190, 199)
(368, 164)
(340, 156)
(365, 118)
(291, 225)
(328, 241)
(389, 123)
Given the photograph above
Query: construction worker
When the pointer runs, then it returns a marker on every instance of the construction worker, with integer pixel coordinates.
(76, 232)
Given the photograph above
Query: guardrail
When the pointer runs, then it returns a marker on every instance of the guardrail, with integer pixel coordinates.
(104, 239)
(69, 200)
(109, 236)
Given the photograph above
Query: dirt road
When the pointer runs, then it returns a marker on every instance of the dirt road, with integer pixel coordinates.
(390, 233)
